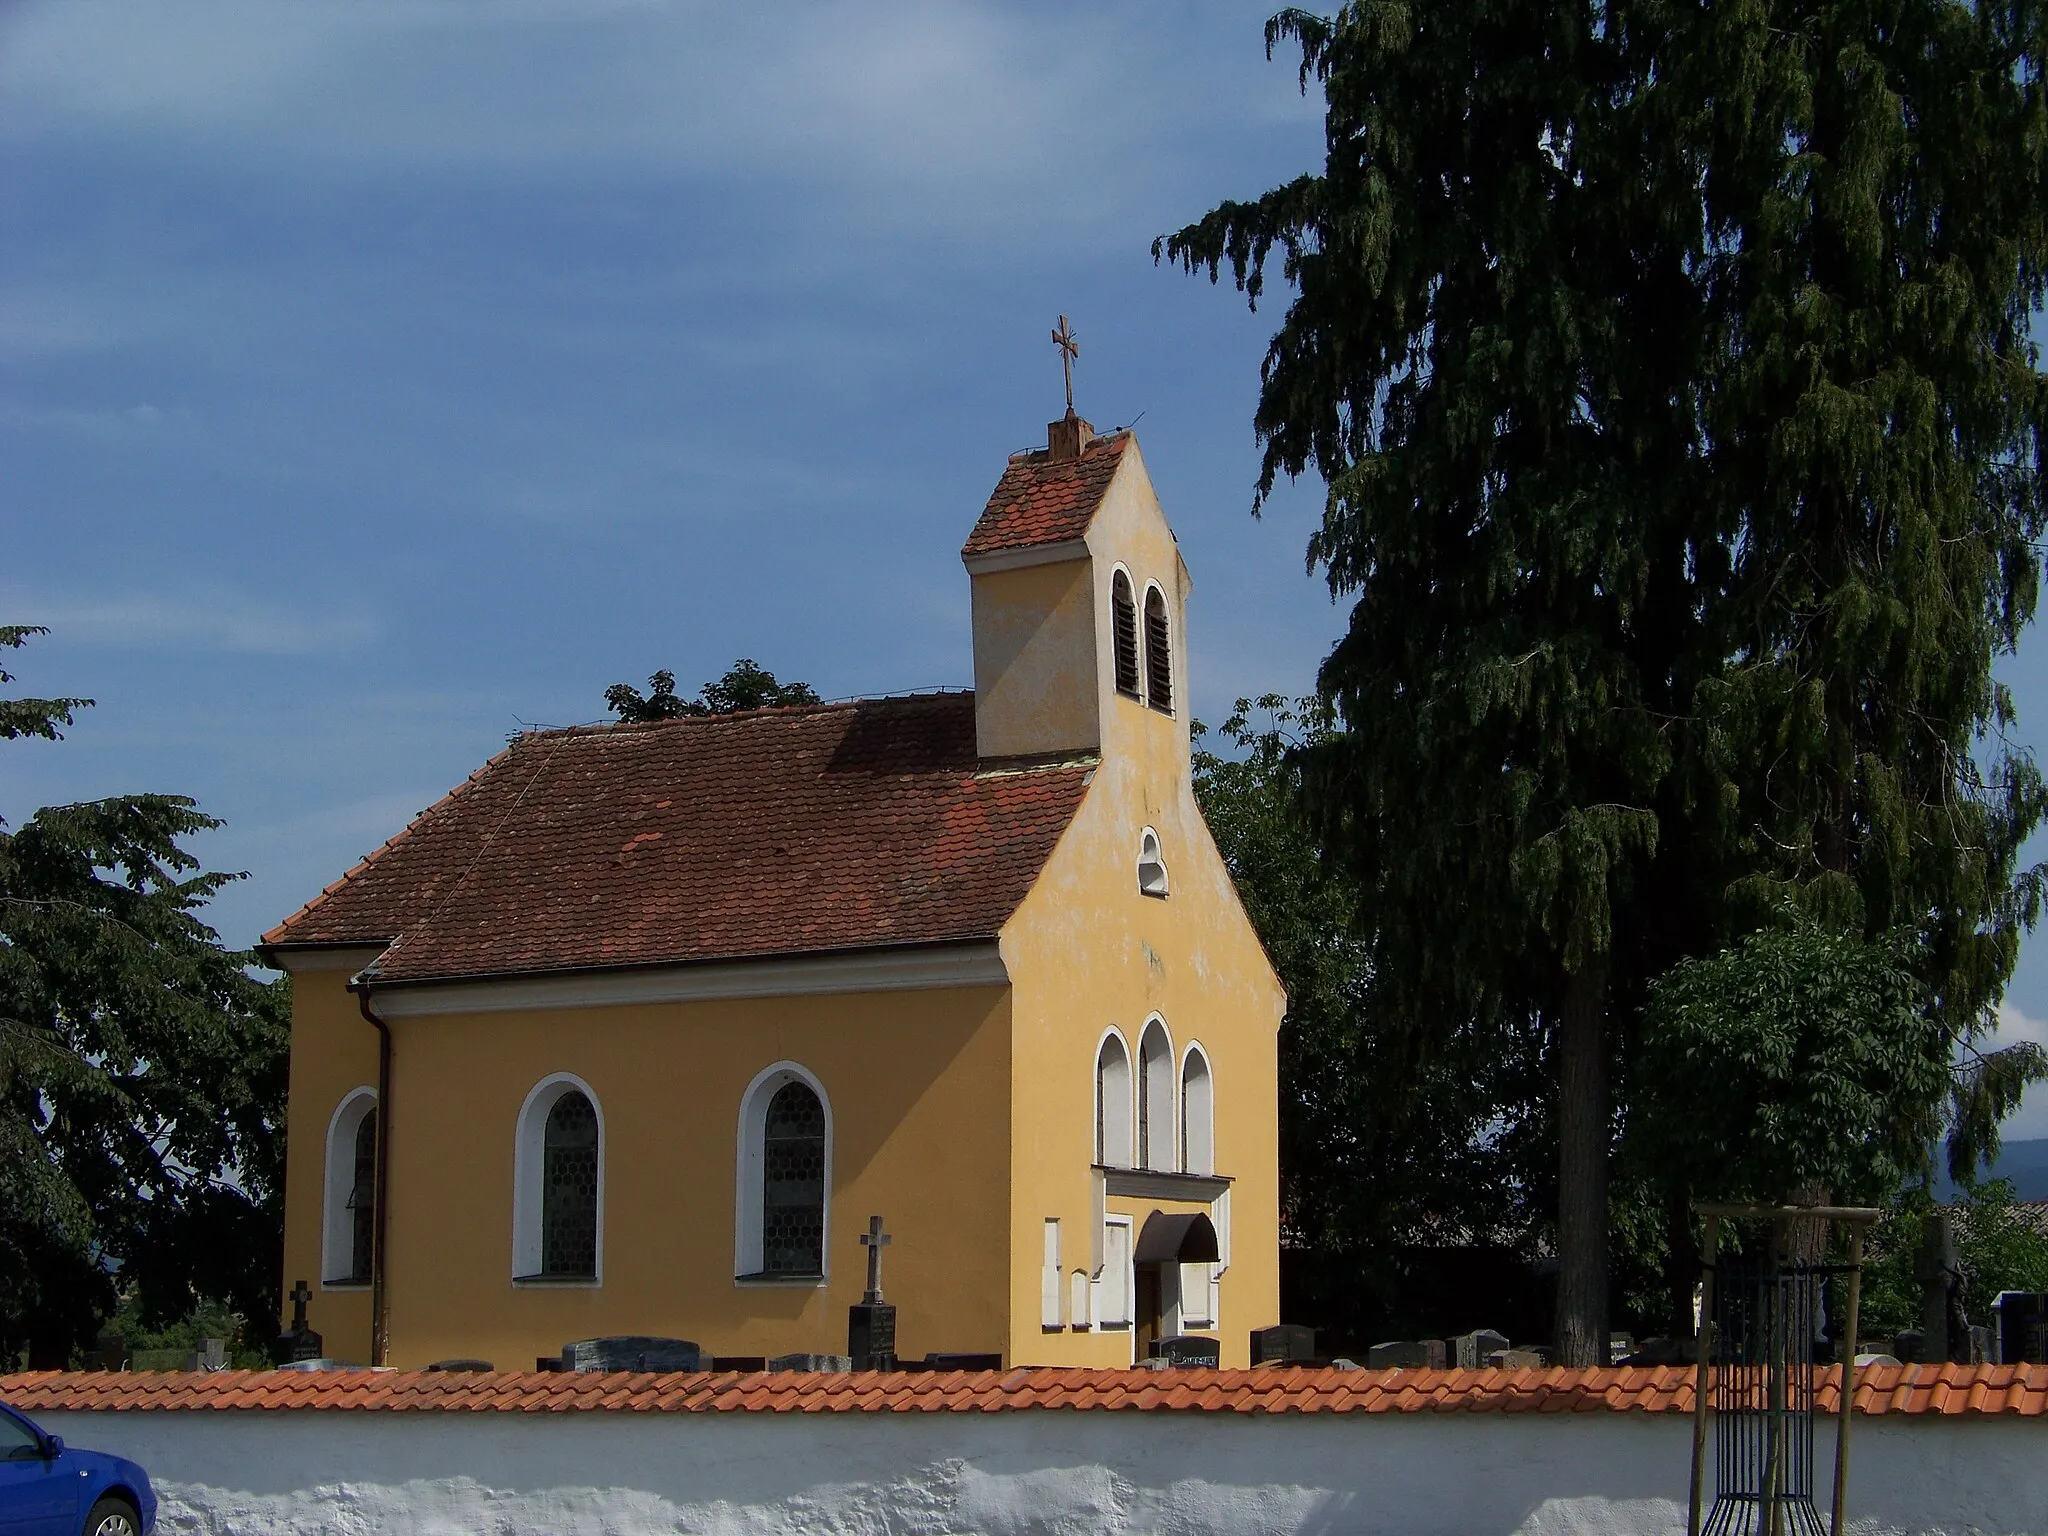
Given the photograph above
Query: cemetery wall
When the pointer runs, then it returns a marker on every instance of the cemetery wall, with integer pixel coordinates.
(1937, 1450)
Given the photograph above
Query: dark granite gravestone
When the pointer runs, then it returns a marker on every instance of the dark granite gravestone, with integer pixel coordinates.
(801, 1362)
(942, 1360)
(871, 1321)
(1468, 1351)
(1518, 1359)
(461, 1365)
(1407, 1354)
(1283, 1342)
(1189, 1349)
(632, 1352)
(300, 1342)
(2022, 1327)
(739, 1362)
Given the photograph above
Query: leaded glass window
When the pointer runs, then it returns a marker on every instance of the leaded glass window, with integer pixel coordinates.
(362, 1201)
(793, 1183)
(568, 1195)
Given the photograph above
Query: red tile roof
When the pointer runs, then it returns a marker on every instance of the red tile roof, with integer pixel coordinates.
(1043, 500)
(1967, 1391)
(771, 832)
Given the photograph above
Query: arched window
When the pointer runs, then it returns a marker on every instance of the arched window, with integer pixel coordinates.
(1113, 1102)
(558, 1184)
(785, 1177)
(1158, 653)
(568, 1194)
(1197, 1114)
(351, 1195)
(1123, 623)
(793, 1183)
(1155, 1098)
(1151, 866)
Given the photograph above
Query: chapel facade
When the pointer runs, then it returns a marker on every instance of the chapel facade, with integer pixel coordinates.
(634, 1031)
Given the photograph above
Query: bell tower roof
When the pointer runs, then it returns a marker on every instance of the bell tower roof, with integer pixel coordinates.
(1046, 498)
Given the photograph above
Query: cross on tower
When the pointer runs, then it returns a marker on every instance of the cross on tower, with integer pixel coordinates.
(874, 1240)
(300, 1295)
(1070, 348)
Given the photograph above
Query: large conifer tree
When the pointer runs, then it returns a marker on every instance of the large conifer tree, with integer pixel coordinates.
(1668, 367)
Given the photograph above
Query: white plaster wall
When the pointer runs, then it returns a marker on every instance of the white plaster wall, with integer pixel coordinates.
(923, 1474)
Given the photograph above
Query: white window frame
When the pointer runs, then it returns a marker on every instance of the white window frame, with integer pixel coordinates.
(1051, 1282)
(1105, 1142)
(1197, 1154)
(1151, 858)
(529, 1164)
(1152, 1116)
(1126, 1280)
(337, 1230)
(747, 1247)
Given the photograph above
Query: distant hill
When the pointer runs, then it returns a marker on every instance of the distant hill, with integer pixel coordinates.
(2025, 1163)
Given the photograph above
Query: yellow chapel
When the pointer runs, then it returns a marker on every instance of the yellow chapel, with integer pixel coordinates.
(635, 1030)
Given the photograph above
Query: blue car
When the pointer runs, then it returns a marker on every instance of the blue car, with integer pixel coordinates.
(49, 1489)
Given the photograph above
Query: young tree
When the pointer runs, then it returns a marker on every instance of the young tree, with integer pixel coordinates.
(142, 1071)
(746, 685)
(1668, 368)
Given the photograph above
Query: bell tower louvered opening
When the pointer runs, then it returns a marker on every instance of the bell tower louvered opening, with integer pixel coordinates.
(1123, 611)
(1158, 653)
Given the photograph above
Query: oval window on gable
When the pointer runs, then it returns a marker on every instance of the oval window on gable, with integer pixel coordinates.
(1151, 864)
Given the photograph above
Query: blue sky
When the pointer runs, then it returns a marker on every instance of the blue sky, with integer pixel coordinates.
(376, 378)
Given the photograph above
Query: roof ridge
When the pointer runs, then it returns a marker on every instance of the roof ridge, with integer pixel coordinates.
(822, 707)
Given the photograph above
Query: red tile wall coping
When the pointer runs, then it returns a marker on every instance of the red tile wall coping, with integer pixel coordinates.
(1970, 1391)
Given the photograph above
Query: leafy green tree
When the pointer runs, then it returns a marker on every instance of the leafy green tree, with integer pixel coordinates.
(142, 1072)
(1798, 1060)
(746, 685)
(1668, 369)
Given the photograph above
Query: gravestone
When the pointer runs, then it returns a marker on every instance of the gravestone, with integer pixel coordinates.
(300, 1342)
(1910, 1346)
(802, 1362)
(942, 1360)
(109, 1351)
(1406, 1354)
(1518, 1360)
(632, 1352)
(1619, 1347)
(1469, 1350)
(212, 1356)
(1189, 1349)
(462, 1365)
(871, 1321)
(2022, 1327)
(1284, 1342)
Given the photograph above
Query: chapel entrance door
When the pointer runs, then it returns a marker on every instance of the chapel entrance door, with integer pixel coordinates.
(1150, 1309)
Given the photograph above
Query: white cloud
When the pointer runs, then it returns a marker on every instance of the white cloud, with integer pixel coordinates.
(2014, 1027)
(216, 621)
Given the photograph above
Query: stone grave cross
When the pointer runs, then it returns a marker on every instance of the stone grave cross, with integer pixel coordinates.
(874, 1240)
(300, 1295)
